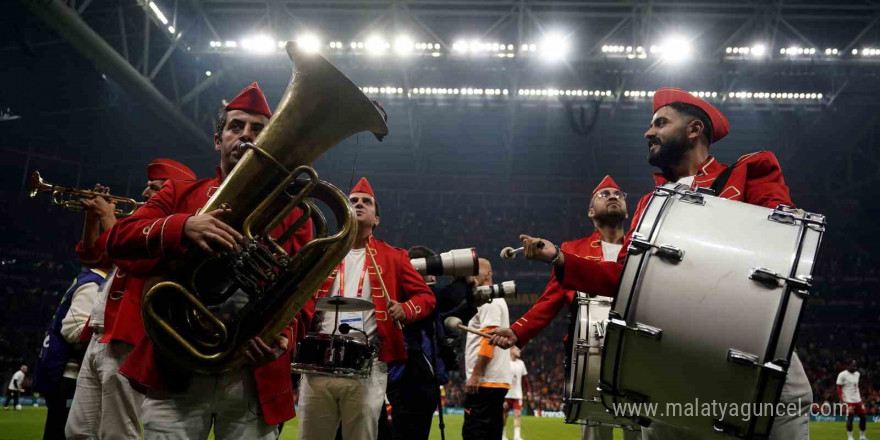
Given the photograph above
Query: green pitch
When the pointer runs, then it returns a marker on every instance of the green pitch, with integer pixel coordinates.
(28, 425)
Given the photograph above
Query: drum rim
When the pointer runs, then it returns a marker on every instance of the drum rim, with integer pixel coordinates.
(329, 337)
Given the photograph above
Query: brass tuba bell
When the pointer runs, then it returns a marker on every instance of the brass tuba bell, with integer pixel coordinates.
(201, 317)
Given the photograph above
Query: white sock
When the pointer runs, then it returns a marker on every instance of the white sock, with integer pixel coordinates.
(516, 432)
(863, 435)
(849, 435)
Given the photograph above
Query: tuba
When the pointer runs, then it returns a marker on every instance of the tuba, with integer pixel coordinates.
(201, 316)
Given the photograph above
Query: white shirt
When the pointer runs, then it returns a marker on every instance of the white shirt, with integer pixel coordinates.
(689, 181)
(17, 377)
(493, 314)
(850, 383)
(517, 371)
(366, 321)
(97, 315)
(81, 304)
(610, 251)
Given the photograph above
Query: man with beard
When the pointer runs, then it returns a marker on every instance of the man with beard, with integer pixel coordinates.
(248, 402)
(681, 130)
(608, 211)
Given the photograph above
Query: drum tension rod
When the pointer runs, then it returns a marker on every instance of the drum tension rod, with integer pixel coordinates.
(771, 279)
(639, 244)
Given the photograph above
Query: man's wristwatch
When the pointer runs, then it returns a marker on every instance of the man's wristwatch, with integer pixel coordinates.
(556, 257)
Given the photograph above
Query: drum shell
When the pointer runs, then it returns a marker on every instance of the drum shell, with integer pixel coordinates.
(582, 403)
(336, 355)
(706, 305)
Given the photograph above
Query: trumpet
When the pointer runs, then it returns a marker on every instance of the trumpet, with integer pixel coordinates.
(70, 198)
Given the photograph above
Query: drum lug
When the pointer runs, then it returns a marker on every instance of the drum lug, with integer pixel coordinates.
(581, 345)
(742, 358)
(648, 331)
(639, 245)
(771, 279)
(783, 214)
(692, 197)
(670, 253)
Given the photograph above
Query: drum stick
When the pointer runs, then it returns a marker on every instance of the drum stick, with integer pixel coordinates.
(453, 322)
(509, 253)
(381, 282)
(474, 331)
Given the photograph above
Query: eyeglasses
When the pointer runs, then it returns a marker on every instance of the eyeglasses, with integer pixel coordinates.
(604, 194)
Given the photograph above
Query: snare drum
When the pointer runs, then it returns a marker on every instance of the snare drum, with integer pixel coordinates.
(707, 311)
(333, 355)
(582, 403)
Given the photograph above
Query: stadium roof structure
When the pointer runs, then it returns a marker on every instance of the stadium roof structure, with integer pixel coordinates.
(146, 78)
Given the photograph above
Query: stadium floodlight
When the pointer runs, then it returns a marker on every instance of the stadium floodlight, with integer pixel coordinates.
(231, 43)
(403, 45)
(207, 73)
(309, 43)
(759, 50)
(376, 45)
(554, 47)
(459, 46)
(171, 29)
(259, 44)
(158, 13)
(676, 49)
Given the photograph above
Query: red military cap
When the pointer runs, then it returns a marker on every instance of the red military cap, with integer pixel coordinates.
(363, 186)
(251, 100)
(606, 182)
(169, 169)
(667, 95)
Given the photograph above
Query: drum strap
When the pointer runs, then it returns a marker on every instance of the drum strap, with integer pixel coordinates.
(360, 287)
(720, 181)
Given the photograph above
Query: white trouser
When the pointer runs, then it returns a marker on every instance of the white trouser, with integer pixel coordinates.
(227, 401)
(104, 404)
(606, 433)
(796, 390)
(325, 401)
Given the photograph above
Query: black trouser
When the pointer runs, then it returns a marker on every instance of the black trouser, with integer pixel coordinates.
(58, 405)
(12, 394)
(484, 414)
(413, 400)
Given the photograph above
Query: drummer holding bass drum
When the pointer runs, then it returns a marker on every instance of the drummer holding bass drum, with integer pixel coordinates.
(361, 308)
(720, 303)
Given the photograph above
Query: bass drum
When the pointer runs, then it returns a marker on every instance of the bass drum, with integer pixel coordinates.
(586, 337)
(707, 312)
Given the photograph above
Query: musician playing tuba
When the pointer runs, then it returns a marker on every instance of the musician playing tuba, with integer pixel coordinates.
(248, 402)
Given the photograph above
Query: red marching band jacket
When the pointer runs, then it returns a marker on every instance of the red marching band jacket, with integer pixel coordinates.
(555, 296)
(122, 311)
(757, 180)
(155, 231)
(404, 285)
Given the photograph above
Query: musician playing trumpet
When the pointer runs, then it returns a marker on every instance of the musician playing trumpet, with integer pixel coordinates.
(377, 272)
(607, 210)
(249, 402)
